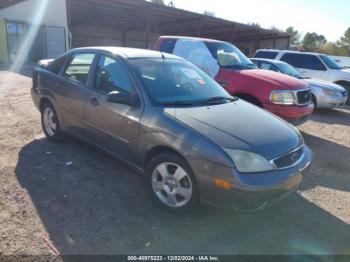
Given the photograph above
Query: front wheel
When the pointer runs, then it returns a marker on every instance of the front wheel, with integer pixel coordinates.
(50, 123)
(171, 183)
(346, 85)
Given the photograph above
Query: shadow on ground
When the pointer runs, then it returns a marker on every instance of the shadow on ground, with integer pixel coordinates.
(332, 116)
(331, 164)
(98, 206)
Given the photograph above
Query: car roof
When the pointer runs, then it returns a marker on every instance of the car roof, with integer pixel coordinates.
(127, 52)
(191, 38)
(288, 51)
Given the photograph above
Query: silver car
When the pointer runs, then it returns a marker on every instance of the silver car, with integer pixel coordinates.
(170, 121)
(324, 94)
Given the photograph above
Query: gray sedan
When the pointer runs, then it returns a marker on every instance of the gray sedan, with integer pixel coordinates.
(324, 94)
(170, 121)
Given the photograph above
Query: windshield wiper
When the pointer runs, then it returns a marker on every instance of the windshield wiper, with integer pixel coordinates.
(217, 99)
(177, 103)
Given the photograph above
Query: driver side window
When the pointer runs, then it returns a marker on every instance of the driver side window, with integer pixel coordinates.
(111, 76)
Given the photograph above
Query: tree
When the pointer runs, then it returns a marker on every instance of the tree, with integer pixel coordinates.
(312, 41)
(161, 2)
(295, 36)
(331, 48)
(345, 40)
(257, 25)
(276, 29)
(209, 13)
(171, 4)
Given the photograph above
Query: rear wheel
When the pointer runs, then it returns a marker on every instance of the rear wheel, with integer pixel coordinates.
(50, 123)
(171, 183)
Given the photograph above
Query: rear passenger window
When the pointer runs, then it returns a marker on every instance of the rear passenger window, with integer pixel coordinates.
(304, 61)
(266, 54)
(167, 46)
(79, 67)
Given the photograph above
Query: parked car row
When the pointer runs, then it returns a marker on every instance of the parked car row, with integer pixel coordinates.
(169, 120)
(284, 96)
(325, 94)
(313, 65)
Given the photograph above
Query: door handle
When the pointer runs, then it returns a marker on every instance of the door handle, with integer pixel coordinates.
(94, 101)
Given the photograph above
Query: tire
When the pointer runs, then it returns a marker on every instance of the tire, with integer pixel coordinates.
(314, 100)
(346, 85)
(50, 123)
(171, 183)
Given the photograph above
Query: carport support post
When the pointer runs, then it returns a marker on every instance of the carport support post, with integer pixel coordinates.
(257, 41)
(199, 30)
(148, 27)
(124, 37)
(232, 38)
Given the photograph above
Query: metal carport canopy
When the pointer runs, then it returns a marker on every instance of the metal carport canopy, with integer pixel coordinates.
(140, 15)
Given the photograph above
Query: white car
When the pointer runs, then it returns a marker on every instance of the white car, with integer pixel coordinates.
(313, 65)
(324, 94)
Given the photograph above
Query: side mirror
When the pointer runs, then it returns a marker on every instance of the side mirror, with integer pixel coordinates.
(117, 97)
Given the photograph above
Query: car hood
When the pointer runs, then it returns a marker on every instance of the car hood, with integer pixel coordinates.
(240, 125)
(324, 84)
(276, 80)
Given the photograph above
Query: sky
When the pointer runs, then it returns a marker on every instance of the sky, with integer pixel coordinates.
(328, 17)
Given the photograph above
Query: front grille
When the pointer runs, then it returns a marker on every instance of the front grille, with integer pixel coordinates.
(289, 159)
(303, 97)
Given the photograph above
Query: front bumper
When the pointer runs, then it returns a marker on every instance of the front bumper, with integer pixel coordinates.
(251, 192)
(324, 101)
(296, 115)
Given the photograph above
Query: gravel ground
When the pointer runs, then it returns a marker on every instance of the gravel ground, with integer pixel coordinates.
(99, 206)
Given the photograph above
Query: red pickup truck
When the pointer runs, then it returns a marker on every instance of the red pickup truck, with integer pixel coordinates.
(282, 95)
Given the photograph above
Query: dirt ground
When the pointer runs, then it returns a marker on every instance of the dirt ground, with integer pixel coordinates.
(99, 206)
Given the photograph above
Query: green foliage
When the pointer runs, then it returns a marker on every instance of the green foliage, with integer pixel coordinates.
(161, 2)
(331, 48)
(209, 13)
(257, 25)
(345, 40)
(295, 36)
(313, 41)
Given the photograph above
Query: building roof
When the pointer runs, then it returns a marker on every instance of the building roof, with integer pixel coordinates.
(141, 15)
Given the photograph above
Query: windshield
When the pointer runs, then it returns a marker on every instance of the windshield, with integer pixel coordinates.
(290, 70)
(229, 56)
(170, 81)
(330, 62)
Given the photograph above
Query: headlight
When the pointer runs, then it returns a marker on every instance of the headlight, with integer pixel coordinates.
(248, 162)
(284, 97)
(329, 92)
